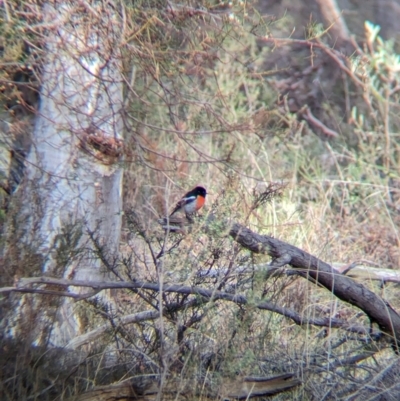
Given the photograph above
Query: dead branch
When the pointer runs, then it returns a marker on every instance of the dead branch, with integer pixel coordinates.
(360, 271)
(317, 271)
(336, 56)
(306, 265)
(128, 319)
(311, 119)
(238, 388)
(208, 295)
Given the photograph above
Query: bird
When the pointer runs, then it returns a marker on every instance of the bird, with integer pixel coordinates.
(191, 201)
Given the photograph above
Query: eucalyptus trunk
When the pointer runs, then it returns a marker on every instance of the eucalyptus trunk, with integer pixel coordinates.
(70, 214)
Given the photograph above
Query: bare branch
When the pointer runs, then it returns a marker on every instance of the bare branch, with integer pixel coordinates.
(311, 119)
(336, 56)
(317, 271)
(128, 319)
(209, 295)
(98, 331)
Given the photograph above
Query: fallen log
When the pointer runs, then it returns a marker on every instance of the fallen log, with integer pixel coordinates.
(239, 388)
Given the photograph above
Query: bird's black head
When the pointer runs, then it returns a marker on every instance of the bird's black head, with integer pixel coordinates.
(200, 191)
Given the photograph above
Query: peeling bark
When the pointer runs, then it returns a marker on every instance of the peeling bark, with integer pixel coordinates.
(74, 176)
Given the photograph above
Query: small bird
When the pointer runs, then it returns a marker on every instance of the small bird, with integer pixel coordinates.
(191, 202)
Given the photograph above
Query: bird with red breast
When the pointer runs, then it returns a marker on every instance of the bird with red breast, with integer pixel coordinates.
(191, 202)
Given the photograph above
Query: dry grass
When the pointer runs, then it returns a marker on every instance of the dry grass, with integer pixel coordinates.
(202, 108)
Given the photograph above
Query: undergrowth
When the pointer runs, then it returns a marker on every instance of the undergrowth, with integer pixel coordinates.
(204, 107)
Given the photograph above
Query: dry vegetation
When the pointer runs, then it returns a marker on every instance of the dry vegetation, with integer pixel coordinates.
(213, 99)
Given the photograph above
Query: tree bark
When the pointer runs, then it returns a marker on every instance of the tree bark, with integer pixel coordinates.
(335, 22)
(74, 176)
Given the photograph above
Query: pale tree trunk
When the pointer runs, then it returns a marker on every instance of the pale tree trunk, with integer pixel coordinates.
(334, 21)
(74, 176)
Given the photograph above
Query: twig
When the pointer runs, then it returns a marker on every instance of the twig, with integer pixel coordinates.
(311, 119)
(333, 54)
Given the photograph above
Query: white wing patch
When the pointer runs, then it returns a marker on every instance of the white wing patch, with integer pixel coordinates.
(189, 199)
